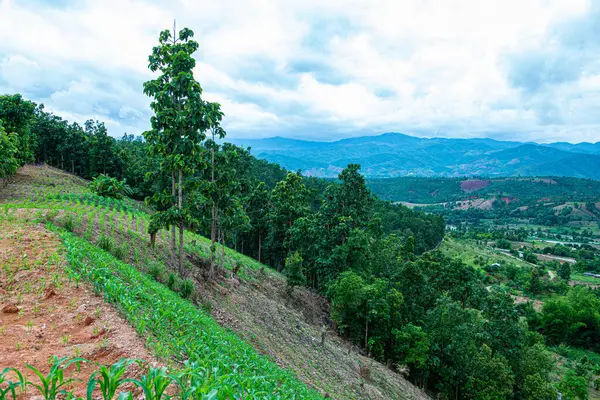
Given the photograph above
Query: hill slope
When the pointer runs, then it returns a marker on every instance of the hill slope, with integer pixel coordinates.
(437, 190)
(396, 154)
(252, 302)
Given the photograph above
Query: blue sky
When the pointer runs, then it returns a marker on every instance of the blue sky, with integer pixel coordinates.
(322, 69)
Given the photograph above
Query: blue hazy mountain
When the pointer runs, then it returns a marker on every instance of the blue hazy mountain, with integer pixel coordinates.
(397, 154)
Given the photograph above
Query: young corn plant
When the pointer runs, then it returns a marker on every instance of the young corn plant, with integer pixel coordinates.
(9, 387)
(154, 383)
(109, 379)
(51, 385)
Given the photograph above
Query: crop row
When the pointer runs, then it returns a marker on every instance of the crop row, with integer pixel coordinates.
(176, 330)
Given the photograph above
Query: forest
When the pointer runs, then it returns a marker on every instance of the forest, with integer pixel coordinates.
(430, 316)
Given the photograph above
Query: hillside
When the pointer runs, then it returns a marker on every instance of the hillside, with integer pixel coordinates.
(104, 242)
(396, 154)
(437, 190)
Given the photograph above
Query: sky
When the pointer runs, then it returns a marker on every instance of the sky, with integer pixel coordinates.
(524, 70)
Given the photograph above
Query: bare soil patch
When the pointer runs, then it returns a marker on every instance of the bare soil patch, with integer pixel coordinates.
(55, 316)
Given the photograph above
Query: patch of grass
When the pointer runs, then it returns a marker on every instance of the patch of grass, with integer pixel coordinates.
(187, 288)
(106, 243)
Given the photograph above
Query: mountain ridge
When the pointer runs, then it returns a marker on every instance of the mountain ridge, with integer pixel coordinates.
(394, 154)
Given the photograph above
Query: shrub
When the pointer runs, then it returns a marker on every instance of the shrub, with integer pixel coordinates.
(105, 243)
(187, 288)
(68, 223)
(120, 252)
(106, 186)
(173, 281)
(156, 270)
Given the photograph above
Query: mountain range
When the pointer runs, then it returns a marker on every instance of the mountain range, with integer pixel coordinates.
(397, 154)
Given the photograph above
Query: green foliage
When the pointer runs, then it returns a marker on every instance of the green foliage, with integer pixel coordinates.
(564, 271)
(294, 271)
(412, 346)
(106, 243)
(104, 185)
(8, 152)
(51, 385)
(8, 387)
(156, 270)
(537, 388)
(109, 379)
(187, 288)
(176, 329)
(16, 115)
(572, 319)
(573, 386)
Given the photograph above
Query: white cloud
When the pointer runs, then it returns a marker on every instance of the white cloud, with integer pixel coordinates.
(290, 67)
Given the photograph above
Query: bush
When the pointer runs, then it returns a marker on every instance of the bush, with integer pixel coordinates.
(173, 281)
(120, 252)
(68, 223)
(187, 288)
(106, 243)
(156, 270)
(106, 186)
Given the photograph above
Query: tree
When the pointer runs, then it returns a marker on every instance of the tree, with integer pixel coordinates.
(534, 281)
(17, 115)
(294, 271)
(8, 151)
(214, 116)
(289, 201)
(258, 212)
(412, 346)
(180, 121)
(564, 271)
(573, 386)
(537, 388)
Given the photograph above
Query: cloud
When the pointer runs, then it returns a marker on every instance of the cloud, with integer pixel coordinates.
(322, 69)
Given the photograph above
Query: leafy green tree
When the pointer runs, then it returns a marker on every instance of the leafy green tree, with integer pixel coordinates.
(534, 281)
(17, 116)
(8, 151)
(258, 212)
(214, 116)
(294, 271)
(564, 271)
(289, 201)
(104, 185)
(411, 346)
(573, 386)
(179, 123)
(103, 151)
(537, 388)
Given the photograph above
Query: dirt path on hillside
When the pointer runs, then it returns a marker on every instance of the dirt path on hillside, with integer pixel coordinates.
(43, 314)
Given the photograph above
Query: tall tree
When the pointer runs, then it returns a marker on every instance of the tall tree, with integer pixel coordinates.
(179, 124)
(214, 115)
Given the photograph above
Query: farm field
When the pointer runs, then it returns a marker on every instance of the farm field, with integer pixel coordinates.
(104, 245)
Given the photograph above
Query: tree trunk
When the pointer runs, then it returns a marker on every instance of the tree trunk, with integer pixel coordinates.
(213, 227)
(173, 244)
(367, 336)
(180, 221)
(73, 166)
(259, 245)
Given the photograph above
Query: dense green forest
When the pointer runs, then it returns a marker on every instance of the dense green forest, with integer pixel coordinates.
(425, 313)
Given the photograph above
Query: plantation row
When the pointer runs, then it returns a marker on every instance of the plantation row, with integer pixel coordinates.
(176, 329)
(156, 383)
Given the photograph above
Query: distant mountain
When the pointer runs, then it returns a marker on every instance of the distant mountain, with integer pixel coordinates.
(397, 154)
